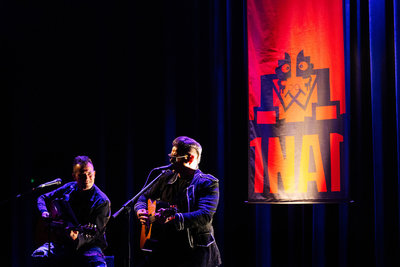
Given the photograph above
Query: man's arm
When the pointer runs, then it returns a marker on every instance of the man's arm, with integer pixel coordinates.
(141, 205)
(205, 208)
(45, 198)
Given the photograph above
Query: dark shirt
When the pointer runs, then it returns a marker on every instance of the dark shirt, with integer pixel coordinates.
(174, 194)
(89, 206)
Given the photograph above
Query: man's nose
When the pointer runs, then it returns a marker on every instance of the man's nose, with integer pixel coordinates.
(85, 176)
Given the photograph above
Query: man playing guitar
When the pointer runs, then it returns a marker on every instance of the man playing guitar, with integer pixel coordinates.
(186, 238)
(80, 205)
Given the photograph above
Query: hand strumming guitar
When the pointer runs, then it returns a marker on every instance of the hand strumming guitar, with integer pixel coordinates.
(72, 234)
(143, 216)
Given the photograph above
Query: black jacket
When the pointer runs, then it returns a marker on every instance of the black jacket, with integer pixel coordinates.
(199, 200)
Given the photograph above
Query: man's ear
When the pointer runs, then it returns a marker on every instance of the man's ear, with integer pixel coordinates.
(189, 158)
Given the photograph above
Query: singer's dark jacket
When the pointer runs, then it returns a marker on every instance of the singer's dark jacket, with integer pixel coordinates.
(197, 201)
(89, 206)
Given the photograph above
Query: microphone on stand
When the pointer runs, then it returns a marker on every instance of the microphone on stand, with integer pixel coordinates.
(54, 182)
(161, 168)
(169, 166)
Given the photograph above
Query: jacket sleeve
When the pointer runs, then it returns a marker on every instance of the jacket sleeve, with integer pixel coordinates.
(44, 199)
(206, 205)
(141, 203)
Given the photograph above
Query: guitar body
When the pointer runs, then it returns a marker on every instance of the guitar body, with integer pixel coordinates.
(147, 240)
(63, 220)
(146, 228)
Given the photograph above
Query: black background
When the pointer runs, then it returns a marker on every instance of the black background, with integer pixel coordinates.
(118, 81)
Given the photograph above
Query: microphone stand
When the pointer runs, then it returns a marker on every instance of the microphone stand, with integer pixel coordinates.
(30, 192)
(24, 194)
(126, 207)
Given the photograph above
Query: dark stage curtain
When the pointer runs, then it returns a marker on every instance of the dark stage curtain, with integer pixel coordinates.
(119, 80)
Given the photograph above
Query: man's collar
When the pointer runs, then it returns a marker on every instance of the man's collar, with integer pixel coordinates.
(175, 177)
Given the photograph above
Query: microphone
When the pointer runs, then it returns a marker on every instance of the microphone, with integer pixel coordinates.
(169, 166)
(54, 182)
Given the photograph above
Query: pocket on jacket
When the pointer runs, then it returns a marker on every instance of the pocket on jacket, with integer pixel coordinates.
(204, 240)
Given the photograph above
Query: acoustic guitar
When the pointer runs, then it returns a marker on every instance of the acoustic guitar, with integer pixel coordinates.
(62, 220)
(164, 211)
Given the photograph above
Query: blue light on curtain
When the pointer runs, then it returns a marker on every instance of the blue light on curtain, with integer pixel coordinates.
(378, 84)
(396, 7)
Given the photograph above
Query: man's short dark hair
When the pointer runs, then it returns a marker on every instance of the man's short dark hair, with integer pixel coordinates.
(82, 160)
(185, 144)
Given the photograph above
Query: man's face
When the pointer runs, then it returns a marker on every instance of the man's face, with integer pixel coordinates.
(184, 161)
(84, 176)
(176, 158)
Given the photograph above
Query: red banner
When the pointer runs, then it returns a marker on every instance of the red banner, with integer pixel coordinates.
(297, 108)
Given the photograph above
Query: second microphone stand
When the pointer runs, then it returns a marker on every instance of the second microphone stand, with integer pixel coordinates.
(127, 207)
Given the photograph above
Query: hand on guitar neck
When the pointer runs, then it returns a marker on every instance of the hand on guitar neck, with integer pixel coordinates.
(45, 215)
(162, 216)
(165, 215)
(73, 234)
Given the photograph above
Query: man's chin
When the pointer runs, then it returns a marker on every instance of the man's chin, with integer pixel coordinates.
(85, 187)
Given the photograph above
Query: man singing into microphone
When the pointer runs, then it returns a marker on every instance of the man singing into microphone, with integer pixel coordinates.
(187, 237)
(78, 203)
